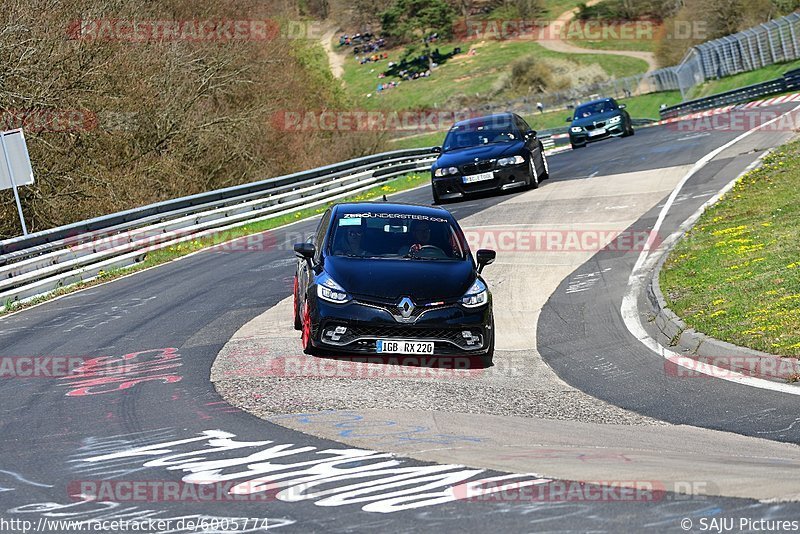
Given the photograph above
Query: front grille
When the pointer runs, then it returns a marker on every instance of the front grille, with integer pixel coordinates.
(407, 332)
(475, 168)
(591, 127)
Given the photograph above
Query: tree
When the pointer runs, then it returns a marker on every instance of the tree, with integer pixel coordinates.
(410, 20)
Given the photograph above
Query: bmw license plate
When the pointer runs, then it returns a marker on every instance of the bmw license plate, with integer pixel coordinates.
(400, 346)
(599, 131)
(482, 177)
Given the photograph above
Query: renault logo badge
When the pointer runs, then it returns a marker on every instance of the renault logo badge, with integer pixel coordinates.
(406, 307)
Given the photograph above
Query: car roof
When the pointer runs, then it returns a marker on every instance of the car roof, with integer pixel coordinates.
(501, 118)
(392, 207)
(596, 101)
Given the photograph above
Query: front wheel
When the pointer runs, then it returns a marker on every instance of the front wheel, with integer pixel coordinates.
(533, 179)
(436, 199)
(546, 166)
(298, 321)
(488, 358)
(305, 338)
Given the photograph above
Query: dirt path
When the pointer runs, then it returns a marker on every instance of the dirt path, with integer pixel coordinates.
(556, 44)
(336, 60)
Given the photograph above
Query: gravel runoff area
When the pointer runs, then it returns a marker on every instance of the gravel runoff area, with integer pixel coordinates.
(520, 384)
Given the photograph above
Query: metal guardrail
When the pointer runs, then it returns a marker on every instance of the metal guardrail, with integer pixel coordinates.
(44, 261)
(789, 81)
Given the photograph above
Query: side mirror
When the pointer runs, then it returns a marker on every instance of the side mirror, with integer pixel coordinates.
(305, 251)
(569, 119)
(530, 134)
(485, 257)
(436, 150)
(622, 106)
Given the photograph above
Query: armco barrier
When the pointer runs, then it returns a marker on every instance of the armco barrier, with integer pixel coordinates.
(44, 261)
(788, 82)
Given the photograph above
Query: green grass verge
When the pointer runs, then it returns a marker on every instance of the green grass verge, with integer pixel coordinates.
(736, 275)
(468, 75)
(741, 80)
(158, 257)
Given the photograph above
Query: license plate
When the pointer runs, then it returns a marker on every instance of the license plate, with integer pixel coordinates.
(395, 346)
(599, 131)
(482, 177)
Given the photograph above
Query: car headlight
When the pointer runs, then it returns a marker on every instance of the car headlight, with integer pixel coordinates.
(445, 171)
(476, 296)
(576, 129)
(516, 160)
(329, 290)
(615, 120)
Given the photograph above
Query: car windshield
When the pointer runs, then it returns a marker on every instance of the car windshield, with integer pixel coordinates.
(594, 108)
(484, 134)
(395, 236)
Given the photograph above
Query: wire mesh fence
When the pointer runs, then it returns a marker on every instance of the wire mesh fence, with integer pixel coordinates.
(773, 42)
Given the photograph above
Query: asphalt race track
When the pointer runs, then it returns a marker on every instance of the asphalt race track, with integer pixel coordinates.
(163, 329)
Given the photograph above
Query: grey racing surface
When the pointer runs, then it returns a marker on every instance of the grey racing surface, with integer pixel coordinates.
(158, 418)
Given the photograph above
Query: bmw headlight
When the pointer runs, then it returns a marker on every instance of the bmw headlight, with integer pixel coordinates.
(476, 296)
(516, 160)
(576, 129)
(329, 290)
(445, 171)
(615, 120)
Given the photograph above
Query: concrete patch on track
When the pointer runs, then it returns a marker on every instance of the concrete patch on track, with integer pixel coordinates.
(519, 404)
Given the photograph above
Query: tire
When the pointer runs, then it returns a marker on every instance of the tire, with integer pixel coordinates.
(533, 178)
(436, 200)
(633, 132)
(298, 321)
(576, 147)
(305, 338)
(488, 358)
(546, 166)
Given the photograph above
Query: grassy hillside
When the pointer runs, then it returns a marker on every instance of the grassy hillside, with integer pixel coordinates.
(462, 75)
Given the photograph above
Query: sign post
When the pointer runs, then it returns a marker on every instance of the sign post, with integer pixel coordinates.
(15, 169)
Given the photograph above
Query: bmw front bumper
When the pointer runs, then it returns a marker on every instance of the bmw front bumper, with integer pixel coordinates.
(511, 177)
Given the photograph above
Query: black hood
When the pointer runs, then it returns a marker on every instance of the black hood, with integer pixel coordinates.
(390, 279)
(596, 117)
(460, 156)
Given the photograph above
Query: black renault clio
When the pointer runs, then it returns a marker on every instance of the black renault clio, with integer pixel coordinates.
(496, 152)
(384, 278)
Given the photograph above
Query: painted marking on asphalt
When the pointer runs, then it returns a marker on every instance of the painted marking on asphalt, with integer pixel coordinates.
(630, 309)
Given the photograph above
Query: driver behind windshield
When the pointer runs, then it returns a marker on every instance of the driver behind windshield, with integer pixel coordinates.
(350, 241)
(420, 237)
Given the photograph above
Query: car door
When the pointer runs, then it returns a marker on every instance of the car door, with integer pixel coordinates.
(532, 144)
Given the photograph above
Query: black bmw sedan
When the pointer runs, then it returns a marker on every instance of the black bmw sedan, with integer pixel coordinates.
(496, 152)
(383, 278)
(599, 119)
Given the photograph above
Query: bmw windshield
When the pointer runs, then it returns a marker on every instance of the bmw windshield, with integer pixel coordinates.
(594, 108)
(472, 135)
(396, 236)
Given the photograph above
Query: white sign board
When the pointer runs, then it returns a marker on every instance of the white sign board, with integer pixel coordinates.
(18, 160)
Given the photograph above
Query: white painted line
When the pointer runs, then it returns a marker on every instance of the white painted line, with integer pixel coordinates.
(630, 309)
